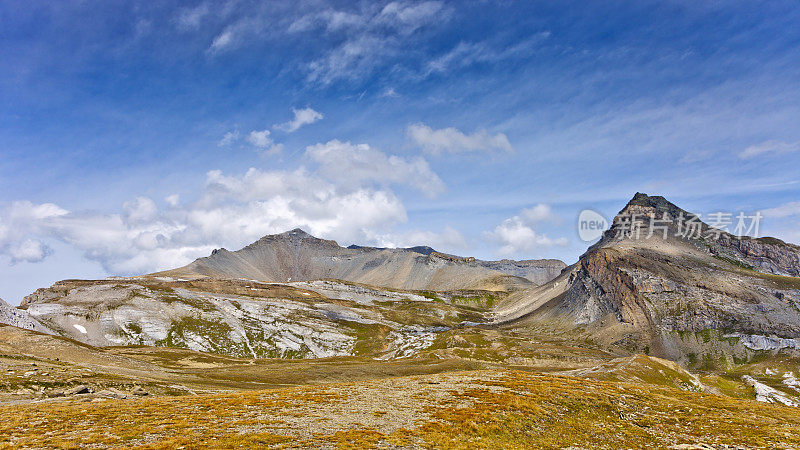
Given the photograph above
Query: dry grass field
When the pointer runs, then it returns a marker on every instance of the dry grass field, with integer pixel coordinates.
(469, 409)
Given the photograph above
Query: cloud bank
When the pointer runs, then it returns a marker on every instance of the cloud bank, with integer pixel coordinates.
(344, 194)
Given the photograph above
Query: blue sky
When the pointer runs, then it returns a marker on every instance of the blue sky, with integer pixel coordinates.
(137, 136)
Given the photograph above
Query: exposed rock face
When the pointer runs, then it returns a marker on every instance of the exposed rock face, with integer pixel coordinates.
(660, 292)
(767, 255)
(246, 318)
(757, 342)
(19, 318)
(298, 256)
(768, 394)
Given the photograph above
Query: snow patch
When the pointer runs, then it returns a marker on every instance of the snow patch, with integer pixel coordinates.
(80, 328)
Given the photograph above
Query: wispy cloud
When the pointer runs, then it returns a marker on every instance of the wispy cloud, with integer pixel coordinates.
(452, 140)
(769, 148)
(229, 138)
(390, 92)
(222, 41)
(189, 19)
(541, 212)
(351, 60)
(785, 210)
(696, 156)
(465, 54)
(302, 117)
(371, 36)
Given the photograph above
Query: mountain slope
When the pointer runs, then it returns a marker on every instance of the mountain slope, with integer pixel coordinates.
(10, 315)
(282, 297)
(298, 256)
(247, 318)
(680, 297)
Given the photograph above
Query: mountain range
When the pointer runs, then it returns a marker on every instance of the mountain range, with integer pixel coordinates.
(705, 300)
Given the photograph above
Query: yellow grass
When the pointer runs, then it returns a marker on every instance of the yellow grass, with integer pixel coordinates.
(482, 409)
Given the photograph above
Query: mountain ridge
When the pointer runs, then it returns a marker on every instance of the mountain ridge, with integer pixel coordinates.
(296, 255)
(685, 299)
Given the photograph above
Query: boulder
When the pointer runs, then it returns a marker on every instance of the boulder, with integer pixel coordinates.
(80, 389)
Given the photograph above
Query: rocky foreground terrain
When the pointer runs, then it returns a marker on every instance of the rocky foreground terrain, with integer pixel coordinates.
(649, 340)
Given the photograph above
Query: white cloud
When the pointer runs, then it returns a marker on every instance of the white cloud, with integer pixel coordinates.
(538, 213)
(350, 165)
(514, 237)
(769, 147)
(345, 196)
(390, 92)
(264, 142)
(260, 139)
(407, 17)
(172, 200)
(452, 140)
(28, 250)
(330, 20)
(23, 210)
(232, 212)
(302, 117)
(260, 202)
(141, 209)
(229, 138)
(223, 41)
(448, 240)
(784, 210)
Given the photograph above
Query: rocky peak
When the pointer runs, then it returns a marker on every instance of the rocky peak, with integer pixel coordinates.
(652, 205)
(764, 254)
(297, 233)
(295, 236)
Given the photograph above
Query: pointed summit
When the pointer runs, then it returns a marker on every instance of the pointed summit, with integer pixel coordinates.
(297, 232)
(296, 236)
(643, 204)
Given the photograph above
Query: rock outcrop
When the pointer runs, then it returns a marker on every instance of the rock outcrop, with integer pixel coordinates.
(248, 319)
(10, 315)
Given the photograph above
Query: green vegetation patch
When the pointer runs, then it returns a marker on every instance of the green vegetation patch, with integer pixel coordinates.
(216, 336)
